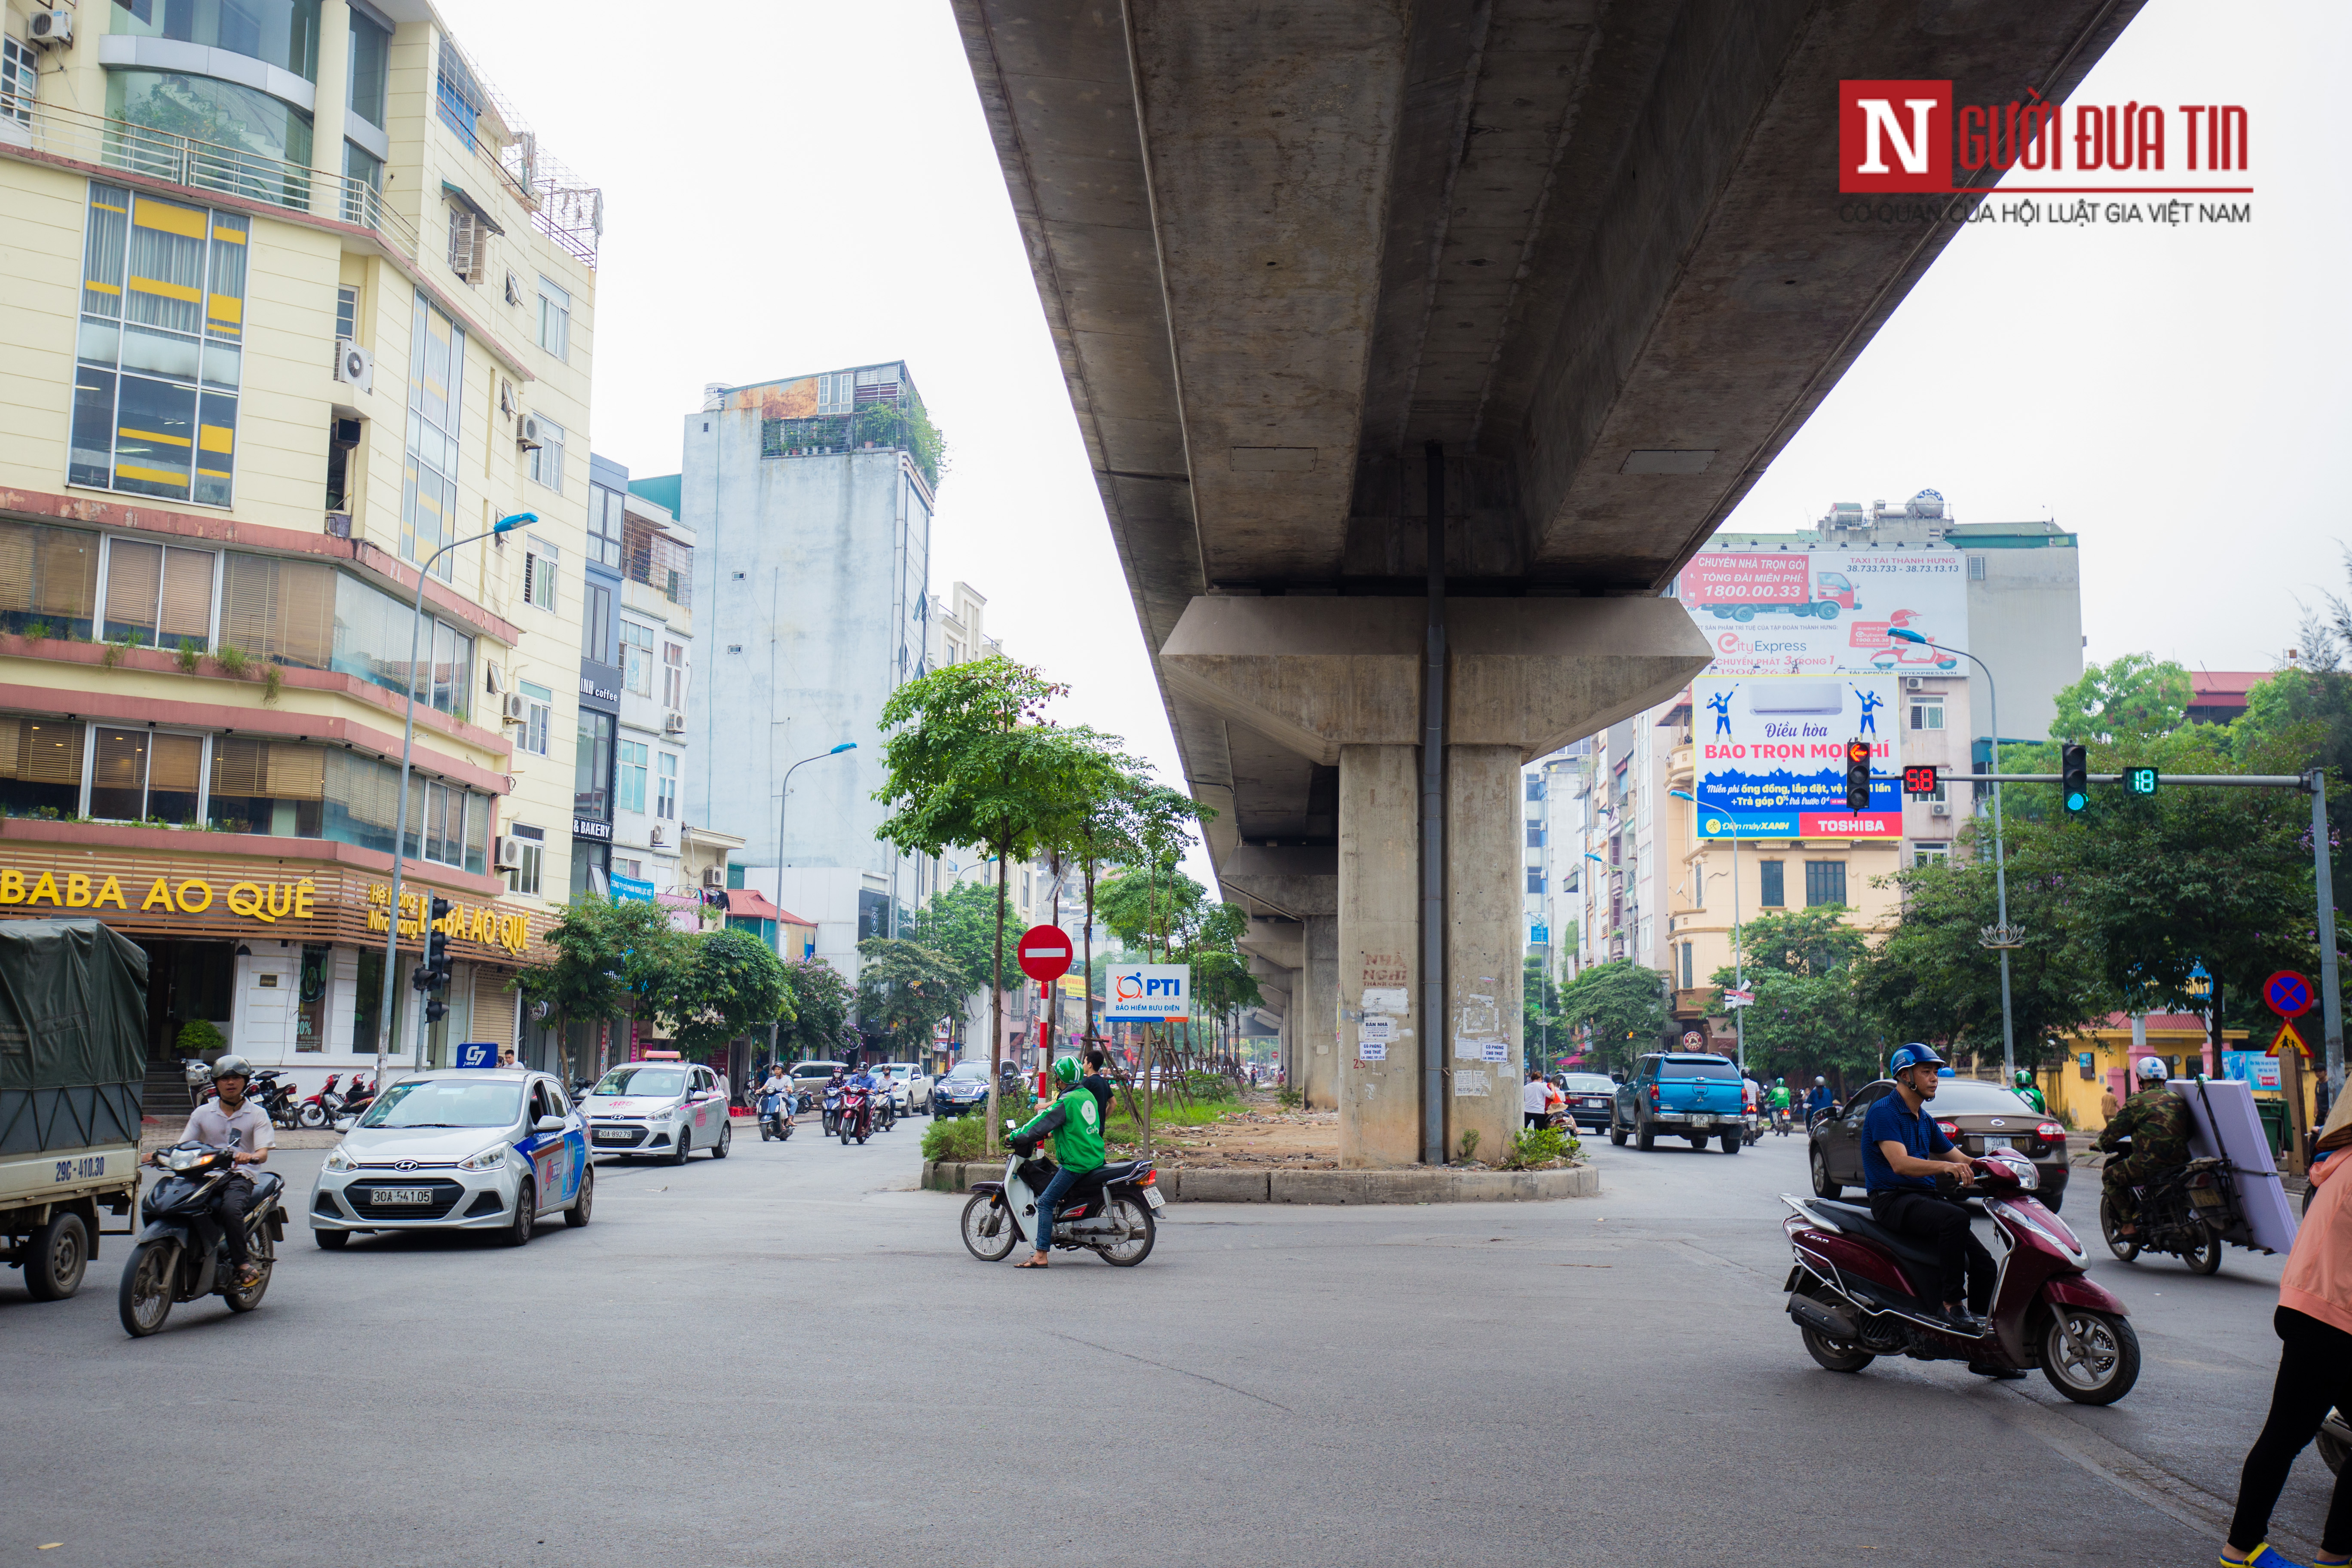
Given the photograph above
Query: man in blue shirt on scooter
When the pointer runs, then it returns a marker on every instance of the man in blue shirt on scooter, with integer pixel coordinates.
(1903, 1153)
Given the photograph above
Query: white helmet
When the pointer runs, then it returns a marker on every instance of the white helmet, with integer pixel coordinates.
(2149, 1069)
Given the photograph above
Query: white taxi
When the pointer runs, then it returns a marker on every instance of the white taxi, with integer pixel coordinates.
(664, 1109)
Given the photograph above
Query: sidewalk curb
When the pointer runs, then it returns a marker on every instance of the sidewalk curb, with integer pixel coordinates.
(1400, 1186)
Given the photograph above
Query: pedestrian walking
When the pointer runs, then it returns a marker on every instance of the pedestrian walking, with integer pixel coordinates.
(1534, 1100)
(2108, 1109)
(2314, 1323)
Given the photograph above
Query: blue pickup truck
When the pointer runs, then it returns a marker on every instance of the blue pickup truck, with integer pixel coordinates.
(1683, 1095)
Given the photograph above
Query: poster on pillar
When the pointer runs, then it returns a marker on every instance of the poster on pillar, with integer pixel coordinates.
(1821, 612)
(1771, 756)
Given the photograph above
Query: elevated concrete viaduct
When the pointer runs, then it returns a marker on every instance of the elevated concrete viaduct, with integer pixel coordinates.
(1415, 347)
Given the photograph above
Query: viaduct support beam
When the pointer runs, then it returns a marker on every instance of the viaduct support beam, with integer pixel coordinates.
(1380, 956)
(1484, 946)
(1303, 884)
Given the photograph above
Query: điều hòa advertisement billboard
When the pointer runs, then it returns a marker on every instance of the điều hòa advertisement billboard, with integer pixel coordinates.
(1770, 755)
(1807, 612)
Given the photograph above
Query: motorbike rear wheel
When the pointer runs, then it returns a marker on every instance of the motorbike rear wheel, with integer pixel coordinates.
(1135, 1215)
(2206, 1256)
(988, 1245)
(259, 1249)
(145, 1299)
(2090, 1357)
(1836, 1355)
(2125, 1248)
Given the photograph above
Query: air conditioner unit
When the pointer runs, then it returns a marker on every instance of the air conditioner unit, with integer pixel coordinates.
(51, 27)
(527, 434)
(714, 877)
(514, 708)
(655, 837)
(354, 366)
(1915, 683)
(673, 723)
(509, 854)
(338, 524)
(1940, 808)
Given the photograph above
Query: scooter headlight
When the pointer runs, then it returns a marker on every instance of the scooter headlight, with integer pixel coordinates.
(340, 1159)
(493, 1158)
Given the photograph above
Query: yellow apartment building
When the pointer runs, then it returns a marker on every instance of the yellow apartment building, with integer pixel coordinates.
(289, 299)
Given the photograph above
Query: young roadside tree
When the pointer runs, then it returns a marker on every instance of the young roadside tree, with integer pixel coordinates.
(609, 957)
(971, 760)
(1623, 1007)
(1807, 1019)
(723, 985)
(903, 989)
(814, 1022)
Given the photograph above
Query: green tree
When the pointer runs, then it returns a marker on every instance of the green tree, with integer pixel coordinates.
(972, 760)
(610, 956)
(1807, 1019)
(1619, 1010)
(903, 989)
(1539, 1019)
(962, 924)
(723, 985)
(2134, 696)
(813, 1023)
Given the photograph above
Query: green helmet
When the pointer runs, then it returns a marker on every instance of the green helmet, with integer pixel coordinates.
(1065, 1071)
(2024, 1078)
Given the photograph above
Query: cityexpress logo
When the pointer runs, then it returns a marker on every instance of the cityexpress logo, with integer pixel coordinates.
(1906, 137)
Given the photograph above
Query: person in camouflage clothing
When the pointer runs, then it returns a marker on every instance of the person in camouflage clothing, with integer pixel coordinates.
(2157, 1121)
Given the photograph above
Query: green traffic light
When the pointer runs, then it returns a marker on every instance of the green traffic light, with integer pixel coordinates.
(2078, 801)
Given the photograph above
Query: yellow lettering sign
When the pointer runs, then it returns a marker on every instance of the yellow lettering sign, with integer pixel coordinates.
(12, 887)
(188, 904)
(77, 890)
(46, 888)
(160, 895)
(245, 898)
(305, 893)
(110, 893)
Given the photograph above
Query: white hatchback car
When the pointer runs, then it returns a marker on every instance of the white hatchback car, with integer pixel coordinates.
(494, 1149)
(663, 1109)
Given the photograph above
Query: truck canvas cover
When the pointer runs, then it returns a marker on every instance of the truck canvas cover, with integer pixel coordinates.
(73, 1035)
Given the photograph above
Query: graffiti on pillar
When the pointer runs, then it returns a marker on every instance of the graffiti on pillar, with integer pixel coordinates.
(1468, 1084)
(1386, 969)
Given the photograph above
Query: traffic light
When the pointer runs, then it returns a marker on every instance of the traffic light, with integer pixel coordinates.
(436, 1009)
(2139, 780)
(1857, 775)
(2074, 778)
(1919, 780)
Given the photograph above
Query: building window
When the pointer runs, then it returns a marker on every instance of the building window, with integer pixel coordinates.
(605, 508)
(531, 842)
(539, 713)
(1534, 786)
(281, 32)
(592, 767)
(638, 658)
(1535, 835)
(666, 785)
(555, 319)
(539, 574)
(1926, 714)
(457, 96)
(547, 457)
(1976, 568)
(1686, 964)
(837, 392)
(1535, 879)
(1930, 854)
(469, 242)
(1824, 882)
(18, 76)
(437, 405)
(596, 621)
(674, 676)
(347, 315)
(146, 775)
(635, 757)
(159, 358)
(371, 70)
(158, 595)
(1775, 894)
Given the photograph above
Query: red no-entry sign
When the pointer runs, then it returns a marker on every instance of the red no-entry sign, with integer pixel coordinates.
(1045, 953)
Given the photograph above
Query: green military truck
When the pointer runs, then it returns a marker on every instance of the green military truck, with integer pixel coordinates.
(73, 1064)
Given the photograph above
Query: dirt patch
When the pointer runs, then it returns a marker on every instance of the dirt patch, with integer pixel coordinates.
(1254, 1138)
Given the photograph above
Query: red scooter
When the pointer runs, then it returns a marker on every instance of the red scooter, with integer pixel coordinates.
(319, 1109)
(856, 1118)
(1859, 1290)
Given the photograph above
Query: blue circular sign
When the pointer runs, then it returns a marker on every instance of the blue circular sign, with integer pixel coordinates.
(2287, 993)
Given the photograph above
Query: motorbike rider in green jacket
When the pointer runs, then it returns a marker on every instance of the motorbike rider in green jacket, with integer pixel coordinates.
(1075, 1121)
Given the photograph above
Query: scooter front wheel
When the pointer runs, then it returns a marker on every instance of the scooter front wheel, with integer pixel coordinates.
(313, 1116)
(2090, 1357)
(987, 1228)
(257, 1250)
(145, 1299)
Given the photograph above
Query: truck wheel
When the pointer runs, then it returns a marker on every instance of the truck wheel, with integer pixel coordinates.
(1826, 609)
(1731, 1143)
(1644, 1139)
(56, 1257)
(1743, 613)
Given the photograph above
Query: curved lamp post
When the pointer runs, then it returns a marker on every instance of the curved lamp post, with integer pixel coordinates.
(2003, 937)
(400, 815)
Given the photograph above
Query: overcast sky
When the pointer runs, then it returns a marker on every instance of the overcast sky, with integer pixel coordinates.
(797, 187)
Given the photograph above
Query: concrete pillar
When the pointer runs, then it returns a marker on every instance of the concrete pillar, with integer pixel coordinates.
(1380, 956)
(1317, 1015)
(1484, 944)
(330, 101)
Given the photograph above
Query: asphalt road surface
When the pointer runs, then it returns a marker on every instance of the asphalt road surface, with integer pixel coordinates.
(789, 1357)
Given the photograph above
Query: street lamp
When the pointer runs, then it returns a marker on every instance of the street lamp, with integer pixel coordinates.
(783, 798)
(2003, 936)
(400, 813)
(1738, 956)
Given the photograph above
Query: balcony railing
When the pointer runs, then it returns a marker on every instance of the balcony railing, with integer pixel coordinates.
(140, 150)
(663, 564)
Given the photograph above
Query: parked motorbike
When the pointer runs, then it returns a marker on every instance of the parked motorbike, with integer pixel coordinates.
(2188, 1211)
(855, 1117)
(183, 1252)
(1859, 1290)
(274, 1092)
(321, 1108)
(1110, 1212)
(360, 1094)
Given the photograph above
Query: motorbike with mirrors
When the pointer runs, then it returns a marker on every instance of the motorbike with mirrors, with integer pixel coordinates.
(1859, 1291)
(775, 1115)
(1110, 1212)
(854, 1119)
(183, 1253)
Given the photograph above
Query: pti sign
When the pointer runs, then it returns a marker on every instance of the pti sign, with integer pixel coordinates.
(1148, 993)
